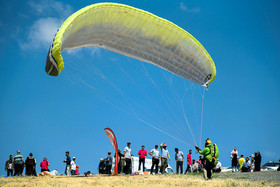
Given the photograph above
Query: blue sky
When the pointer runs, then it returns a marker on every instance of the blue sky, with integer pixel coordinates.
(47, 116)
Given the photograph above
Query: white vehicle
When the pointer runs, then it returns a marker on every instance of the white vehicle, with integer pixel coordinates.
(148, 165)
(270, 166)
(228, 169)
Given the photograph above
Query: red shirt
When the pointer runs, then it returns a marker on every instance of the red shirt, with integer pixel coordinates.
(189, 157)
(142, 153)
(44, 164)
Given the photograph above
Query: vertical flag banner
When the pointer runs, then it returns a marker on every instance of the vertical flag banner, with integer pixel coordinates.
(113, 141)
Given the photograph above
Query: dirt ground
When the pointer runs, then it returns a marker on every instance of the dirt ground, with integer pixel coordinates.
(221, 179)
(268, 176)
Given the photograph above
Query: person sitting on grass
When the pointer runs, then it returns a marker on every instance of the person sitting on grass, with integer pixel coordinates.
(102, 166)
(246, 165)
(241, 161)
(195, 167)
(54, 172)
(200, 163)
(77, 170)
(217, 168)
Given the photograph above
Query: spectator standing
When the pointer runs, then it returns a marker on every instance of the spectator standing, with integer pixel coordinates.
(9, 166)
(155, 159)
(258, 160)
(127, 158)
(73, 166)
(164, 156)
(18, 164)
(189, 162)
(120, 161)
(109, 160)
(252, 163)
(67, 161)
(30, 165)
(234, 159)
(142, 155)
(179, 157)
(45, 165)
(241, 161)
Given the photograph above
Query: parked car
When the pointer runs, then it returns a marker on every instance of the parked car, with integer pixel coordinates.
(270, 166)
(228, 169)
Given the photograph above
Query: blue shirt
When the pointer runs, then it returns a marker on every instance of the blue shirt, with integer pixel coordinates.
(68, 160)
(110, 160)
(246, 164)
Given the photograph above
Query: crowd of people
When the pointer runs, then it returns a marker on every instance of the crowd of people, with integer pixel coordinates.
(252, 164)
(124, 160)
(160, 158)
(14, 166)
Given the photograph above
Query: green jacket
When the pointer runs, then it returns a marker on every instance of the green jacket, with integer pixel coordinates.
(208, 152)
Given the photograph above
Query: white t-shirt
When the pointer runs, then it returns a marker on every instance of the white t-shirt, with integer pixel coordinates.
(155, 152)
(179, 156)
(219, 165)
(73, 165)
(54, 172)
(10, 165)
(164, 153)
(127, 151)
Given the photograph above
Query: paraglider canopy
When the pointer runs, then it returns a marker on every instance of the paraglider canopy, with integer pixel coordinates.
(134, 33)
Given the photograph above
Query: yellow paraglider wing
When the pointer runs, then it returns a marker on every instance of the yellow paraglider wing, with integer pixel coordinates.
(134, 33)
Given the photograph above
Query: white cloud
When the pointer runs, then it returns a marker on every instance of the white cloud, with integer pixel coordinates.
(185, 8)
(41, 33)
(51, 8)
